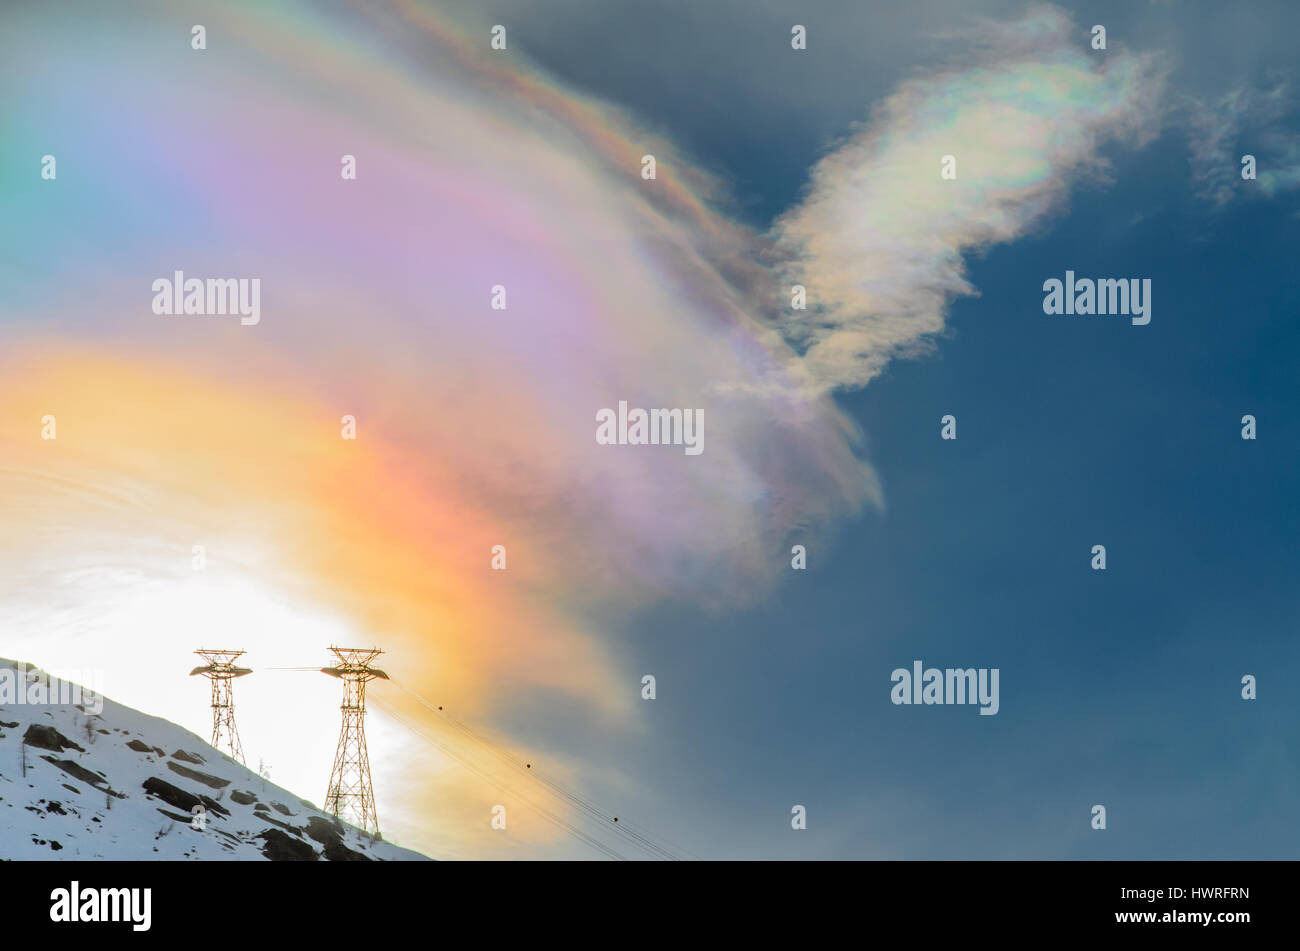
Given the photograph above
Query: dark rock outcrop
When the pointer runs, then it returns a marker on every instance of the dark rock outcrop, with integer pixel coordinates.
(332, 843)
(215, 782)
(172, 795)
(48, 738)
(77, 771)
(283, 848)
(213, 806)
(292, 830)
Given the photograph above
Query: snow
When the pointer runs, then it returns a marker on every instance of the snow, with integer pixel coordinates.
(93, 803)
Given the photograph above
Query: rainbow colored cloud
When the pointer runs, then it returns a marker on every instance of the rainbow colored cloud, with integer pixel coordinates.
(475, 425)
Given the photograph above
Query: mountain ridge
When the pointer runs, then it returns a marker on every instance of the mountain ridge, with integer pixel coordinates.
(81, 783)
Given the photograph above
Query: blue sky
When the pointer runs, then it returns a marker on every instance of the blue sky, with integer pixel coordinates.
(1119, 687)
(479, 168)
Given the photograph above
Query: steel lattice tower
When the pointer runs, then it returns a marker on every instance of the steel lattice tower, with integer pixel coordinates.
(349, 787)
(221, 670)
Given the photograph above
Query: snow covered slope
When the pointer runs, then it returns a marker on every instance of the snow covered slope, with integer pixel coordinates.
(124, 785)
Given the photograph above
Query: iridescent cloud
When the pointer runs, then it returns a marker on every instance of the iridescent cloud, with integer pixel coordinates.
(880, 239)
(475, 426)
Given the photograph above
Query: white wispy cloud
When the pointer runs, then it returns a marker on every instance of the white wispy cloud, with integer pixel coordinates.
(880, 240)
(1244, 120)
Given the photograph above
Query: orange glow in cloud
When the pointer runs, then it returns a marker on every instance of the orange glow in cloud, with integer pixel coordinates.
(353, 524)
(149, 461)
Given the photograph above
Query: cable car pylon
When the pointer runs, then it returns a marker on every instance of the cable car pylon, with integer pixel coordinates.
(350, 790)
(221, 670)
